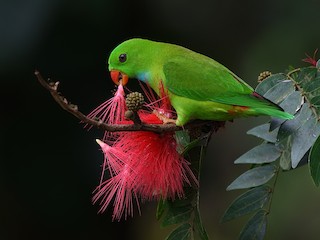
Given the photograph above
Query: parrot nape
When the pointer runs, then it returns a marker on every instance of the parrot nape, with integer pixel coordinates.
(198, 87)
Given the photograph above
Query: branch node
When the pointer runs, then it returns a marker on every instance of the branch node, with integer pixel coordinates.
(133, 116)
(54, 85)
(74, 107)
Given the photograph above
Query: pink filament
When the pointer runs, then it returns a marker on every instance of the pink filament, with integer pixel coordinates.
(111, 111)
(141, 164)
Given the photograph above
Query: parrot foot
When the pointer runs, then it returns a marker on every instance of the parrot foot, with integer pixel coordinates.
(164, 118)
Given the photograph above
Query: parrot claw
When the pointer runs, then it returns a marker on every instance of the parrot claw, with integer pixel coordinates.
(164, 118)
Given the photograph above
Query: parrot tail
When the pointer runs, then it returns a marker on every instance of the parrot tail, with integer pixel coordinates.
(271, 109)
(274, 113)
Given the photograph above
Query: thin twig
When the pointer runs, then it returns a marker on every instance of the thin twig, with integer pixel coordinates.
(52, 87)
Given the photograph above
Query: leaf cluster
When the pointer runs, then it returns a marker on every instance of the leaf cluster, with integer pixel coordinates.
(285, 145)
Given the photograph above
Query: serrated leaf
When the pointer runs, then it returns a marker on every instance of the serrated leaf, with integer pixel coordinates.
(253, 177)
(248, 202)
(255, 229)
(264, 153)
(177, 215)
(280, 91)
(314, 162)
(183, 232)
(267, 83)
(303, 139)
(263, 132)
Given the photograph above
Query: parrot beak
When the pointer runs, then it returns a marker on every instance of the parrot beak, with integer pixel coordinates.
(119, 77)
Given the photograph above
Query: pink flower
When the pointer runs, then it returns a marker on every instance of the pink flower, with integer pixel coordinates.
(311, 60)
(160, 170)
(112, 159)
(162, 105)
(141, 164)
(119, 187)
(111, 111)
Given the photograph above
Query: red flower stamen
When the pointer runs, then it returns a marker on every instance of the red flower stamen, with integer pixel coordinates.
(311, 60)
(161, 170)
(162, 104)
(150, 168)
(120, 189)
(141, 164)
(111, 111)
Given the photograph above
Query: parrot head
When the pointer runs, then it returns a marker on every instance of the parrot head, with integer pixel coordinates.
(130, 59)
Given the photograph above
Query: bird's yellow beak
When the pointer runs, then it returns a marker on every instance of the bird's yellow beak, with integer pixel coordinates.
(119, 77)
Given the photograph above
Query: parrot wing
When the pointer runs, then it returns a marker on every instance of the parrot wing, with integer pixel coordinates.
(203, 79)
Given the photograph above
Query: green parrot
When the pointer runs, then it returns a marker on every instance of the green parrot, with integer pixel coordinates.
(198, 87)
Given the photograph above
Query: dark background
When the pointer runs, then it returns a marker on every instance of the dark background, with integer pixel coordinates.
(50, 165)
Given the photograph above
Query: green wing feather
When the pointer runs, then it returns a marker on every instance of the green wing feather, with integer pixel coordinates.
(200, 78)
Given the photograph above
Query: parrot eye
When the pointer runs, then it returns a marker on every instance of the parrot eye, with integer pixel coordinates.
(123, 57)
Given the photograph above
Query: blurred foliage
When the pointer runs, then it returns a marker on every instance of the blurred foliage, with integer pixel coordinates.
(184, 213)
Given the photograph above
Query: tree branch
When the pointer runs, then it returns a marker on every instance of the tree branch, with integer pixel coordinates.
(52, 87)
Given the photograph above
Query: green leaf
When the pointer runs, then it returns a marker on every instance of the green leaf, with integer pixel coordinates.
(280, 91)
(308, 82)
(264, 153)
(289, 127)
(292, 103)
(183, 140)
(198, 227)
(312, 87)
(314, 162)
(191, 145)
(315, 92)
(305, 136)
(177, 214)
(182, 137)
(183, 232)
(248, 202)
(256, 227)
(315, 101)
(263, 132)
(253, 177)
(306, 75)
(269, 82)
(303, 139)
(285, 158)
(162, 206)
